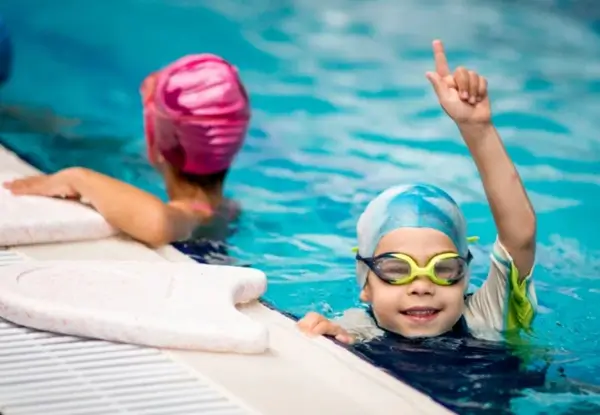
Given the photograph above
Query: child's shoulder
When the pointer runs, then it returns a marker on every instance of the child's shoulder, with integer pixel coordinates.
(227, 209)
(360, 324)
(231, 209)
(505, 300)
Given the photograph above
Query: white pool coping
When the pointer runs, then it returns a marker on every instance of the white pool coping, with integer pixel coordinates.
(298, 375)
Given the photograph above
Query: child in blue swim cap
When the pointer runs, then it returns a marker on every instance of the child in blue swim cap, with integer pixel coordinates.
(412, 260)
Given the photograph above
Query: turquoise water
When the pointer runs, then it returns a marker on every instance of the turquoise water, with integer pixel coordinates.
(342, 110)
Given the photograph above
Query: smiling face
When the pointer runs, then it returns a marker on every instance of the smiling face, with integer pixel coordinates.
(419, 308)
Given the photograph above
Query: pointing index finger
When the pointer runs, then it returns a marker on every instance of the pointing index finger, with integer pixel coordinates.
(441, 63)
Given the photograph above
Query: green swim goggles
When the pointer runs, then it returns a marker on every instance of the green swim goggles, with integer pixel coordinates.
(396, 268)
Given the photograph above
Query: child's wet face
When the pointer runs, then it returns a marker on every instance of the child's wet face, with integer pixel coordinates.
(440, 306)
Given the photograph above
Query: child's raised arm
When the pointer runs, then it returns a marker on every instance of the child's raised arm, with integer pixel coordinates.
(463, 95)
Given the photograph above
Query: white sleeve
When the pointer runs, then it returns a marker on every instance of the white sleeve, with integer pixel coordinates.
(505, 301)
(359, 324)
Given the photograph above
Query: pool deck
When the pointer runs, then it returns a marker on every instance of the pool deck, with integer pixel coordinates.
(298, 375)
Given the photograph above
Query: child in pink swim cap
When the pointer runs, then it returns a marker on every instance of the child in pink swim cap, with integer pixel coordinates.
(196, 115)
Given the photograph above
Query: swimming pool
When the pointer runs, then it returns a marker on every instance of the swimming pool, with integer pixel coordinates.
(342, 110)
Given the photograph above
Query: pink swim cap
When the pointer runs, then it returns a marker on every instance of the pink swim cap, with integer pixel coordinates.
(196, 113)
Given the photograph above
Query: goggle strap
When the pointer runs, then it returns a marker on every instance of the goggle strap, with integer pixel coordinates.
(470, 239)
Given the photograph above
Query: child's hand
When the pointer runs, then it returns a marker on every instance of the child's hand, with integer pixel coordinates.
(463, 95)
(53, 185)
(315, 324)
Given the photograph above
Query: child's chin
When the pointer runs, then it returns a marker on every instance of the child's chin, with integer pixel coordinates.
(423, 333)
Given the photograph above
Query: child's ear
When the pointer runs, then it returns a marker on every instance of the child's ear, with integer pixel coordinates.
(365, 294)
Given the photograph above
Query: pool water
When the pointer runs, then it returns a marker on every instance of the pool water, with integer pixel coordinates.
(342, 110)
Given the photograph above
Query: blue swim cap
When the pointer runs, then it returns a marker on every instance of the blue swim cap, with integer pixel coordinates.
(409, 206)
(6, 53)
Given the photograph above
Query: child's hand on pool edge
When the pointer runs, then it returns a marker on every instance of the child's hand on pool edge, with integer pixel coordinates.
(314, 324)
(51, 185)
(462, 94)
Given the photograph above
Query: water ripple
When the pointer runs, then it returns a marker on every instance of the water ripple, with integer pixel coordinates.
(341, 111)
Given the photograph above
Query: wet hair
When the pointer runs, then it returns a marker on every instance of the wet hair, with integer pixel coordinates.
(204, 181)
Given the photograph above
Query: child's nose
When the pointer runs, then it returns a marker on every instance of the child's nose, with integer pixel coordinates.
(421, 286)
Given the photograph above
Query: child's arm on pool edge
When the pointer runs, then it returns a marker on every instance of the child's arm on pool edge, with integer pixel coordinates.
(135, 212)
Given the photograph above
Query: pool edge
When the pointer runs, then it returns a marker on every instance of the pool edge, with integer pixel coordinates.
(298, 375)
